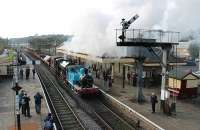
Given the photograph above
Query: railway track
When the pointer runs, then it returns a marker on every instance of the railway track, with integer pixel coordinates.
(66, 117)
(111, 120)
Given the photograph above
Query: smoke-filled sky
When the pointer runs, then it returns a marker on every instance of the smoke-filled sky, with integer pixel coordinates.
(92, 22)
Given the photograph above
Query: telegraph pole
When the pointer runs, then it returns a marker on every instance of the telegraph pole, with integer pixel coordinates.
(16, 88)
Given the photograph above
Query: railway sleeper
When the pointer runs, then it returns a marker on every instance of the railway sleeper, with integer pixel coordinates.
(63, 114)
(68, 119)
(59, 104)
(57, 100)
(70, 125)
(60, 112)
(61, 107)
(67, 116)
(70, 122)
(73, 128)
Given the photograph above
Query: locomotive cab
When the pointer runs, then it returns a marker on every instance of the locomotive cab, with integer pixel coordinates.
(80, 80)
(63, 67)
(86, 80)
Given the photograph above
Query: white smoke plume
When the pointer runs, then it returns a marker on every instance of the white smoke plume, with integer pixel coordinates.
(94, 34)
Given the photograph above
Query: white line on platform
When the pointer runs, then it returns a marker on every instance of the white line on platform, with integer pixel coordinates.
(130, 109)
(46, 101)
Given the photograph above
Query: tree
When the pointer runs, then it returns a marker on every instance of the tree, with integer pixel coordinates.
(194, 50)
(3, 44)
(47, 43)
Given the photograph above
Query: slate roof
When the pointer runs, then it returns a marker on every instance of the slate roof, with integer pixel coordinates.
(181, 72)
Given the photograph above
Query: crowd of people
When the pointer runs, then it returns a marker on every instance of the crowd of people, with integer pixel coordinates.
(24, 100)
(27, 72)
(24, 103)
(24, 107)
(105, 74)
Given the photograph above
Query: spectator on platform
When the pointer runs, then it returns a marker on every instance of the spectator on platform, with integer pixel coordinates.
(129, 77)
(21, 95)
(90, 71)
(33, 70)
(23, 104)
(134, 78)
(109, 81)
(27, 72)
(94, 67)
(48, 117)
(105, 78)
(26, 105)
(98, 73)
(38, 97)
(21, 73)
(153, 102)
(101, 68)
(48, 122)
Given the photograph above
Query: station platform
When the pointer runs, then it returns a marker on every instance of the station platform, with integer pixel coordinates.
(7, 105)
(187, 115)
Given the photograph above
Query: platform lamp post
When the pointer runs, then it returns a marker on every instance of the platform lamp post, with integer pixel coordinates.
(123, 83)
(16, 88)
(55, 45)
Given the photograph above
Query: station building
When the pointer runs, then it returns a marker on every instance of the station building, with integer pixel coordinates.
(121, 66)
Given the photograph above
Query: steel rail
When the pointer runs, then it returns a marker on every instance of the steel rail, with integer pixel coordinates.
(48, 82)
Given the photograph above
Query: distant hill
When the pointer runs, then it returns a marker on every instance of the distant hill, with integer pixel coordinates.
(47, 41)
(41, 41)
(19, 40)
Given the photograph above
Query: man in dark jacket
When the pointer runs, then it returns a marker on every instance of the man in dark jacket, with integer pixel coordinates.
(153, 102)
(27, 72)
(38, 98)
(48, 122)
(26, 105)
(21, 73)
(33, 70)
(21, 95)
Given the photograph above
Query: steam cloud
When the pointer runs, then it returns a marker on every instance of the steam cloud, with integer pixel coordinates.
(95, 33)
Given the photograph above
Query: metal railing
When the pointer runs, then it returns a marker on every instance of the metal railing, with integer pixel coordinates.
(140, 120)
(148, 35)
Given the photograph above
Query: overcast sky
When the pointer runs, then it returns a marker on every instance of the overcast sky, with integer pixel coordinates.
(29, 17)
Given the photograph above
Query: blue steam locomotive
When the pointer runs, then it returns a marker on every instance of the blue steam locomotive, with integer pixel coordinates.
(80, 80)
(76, 76)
